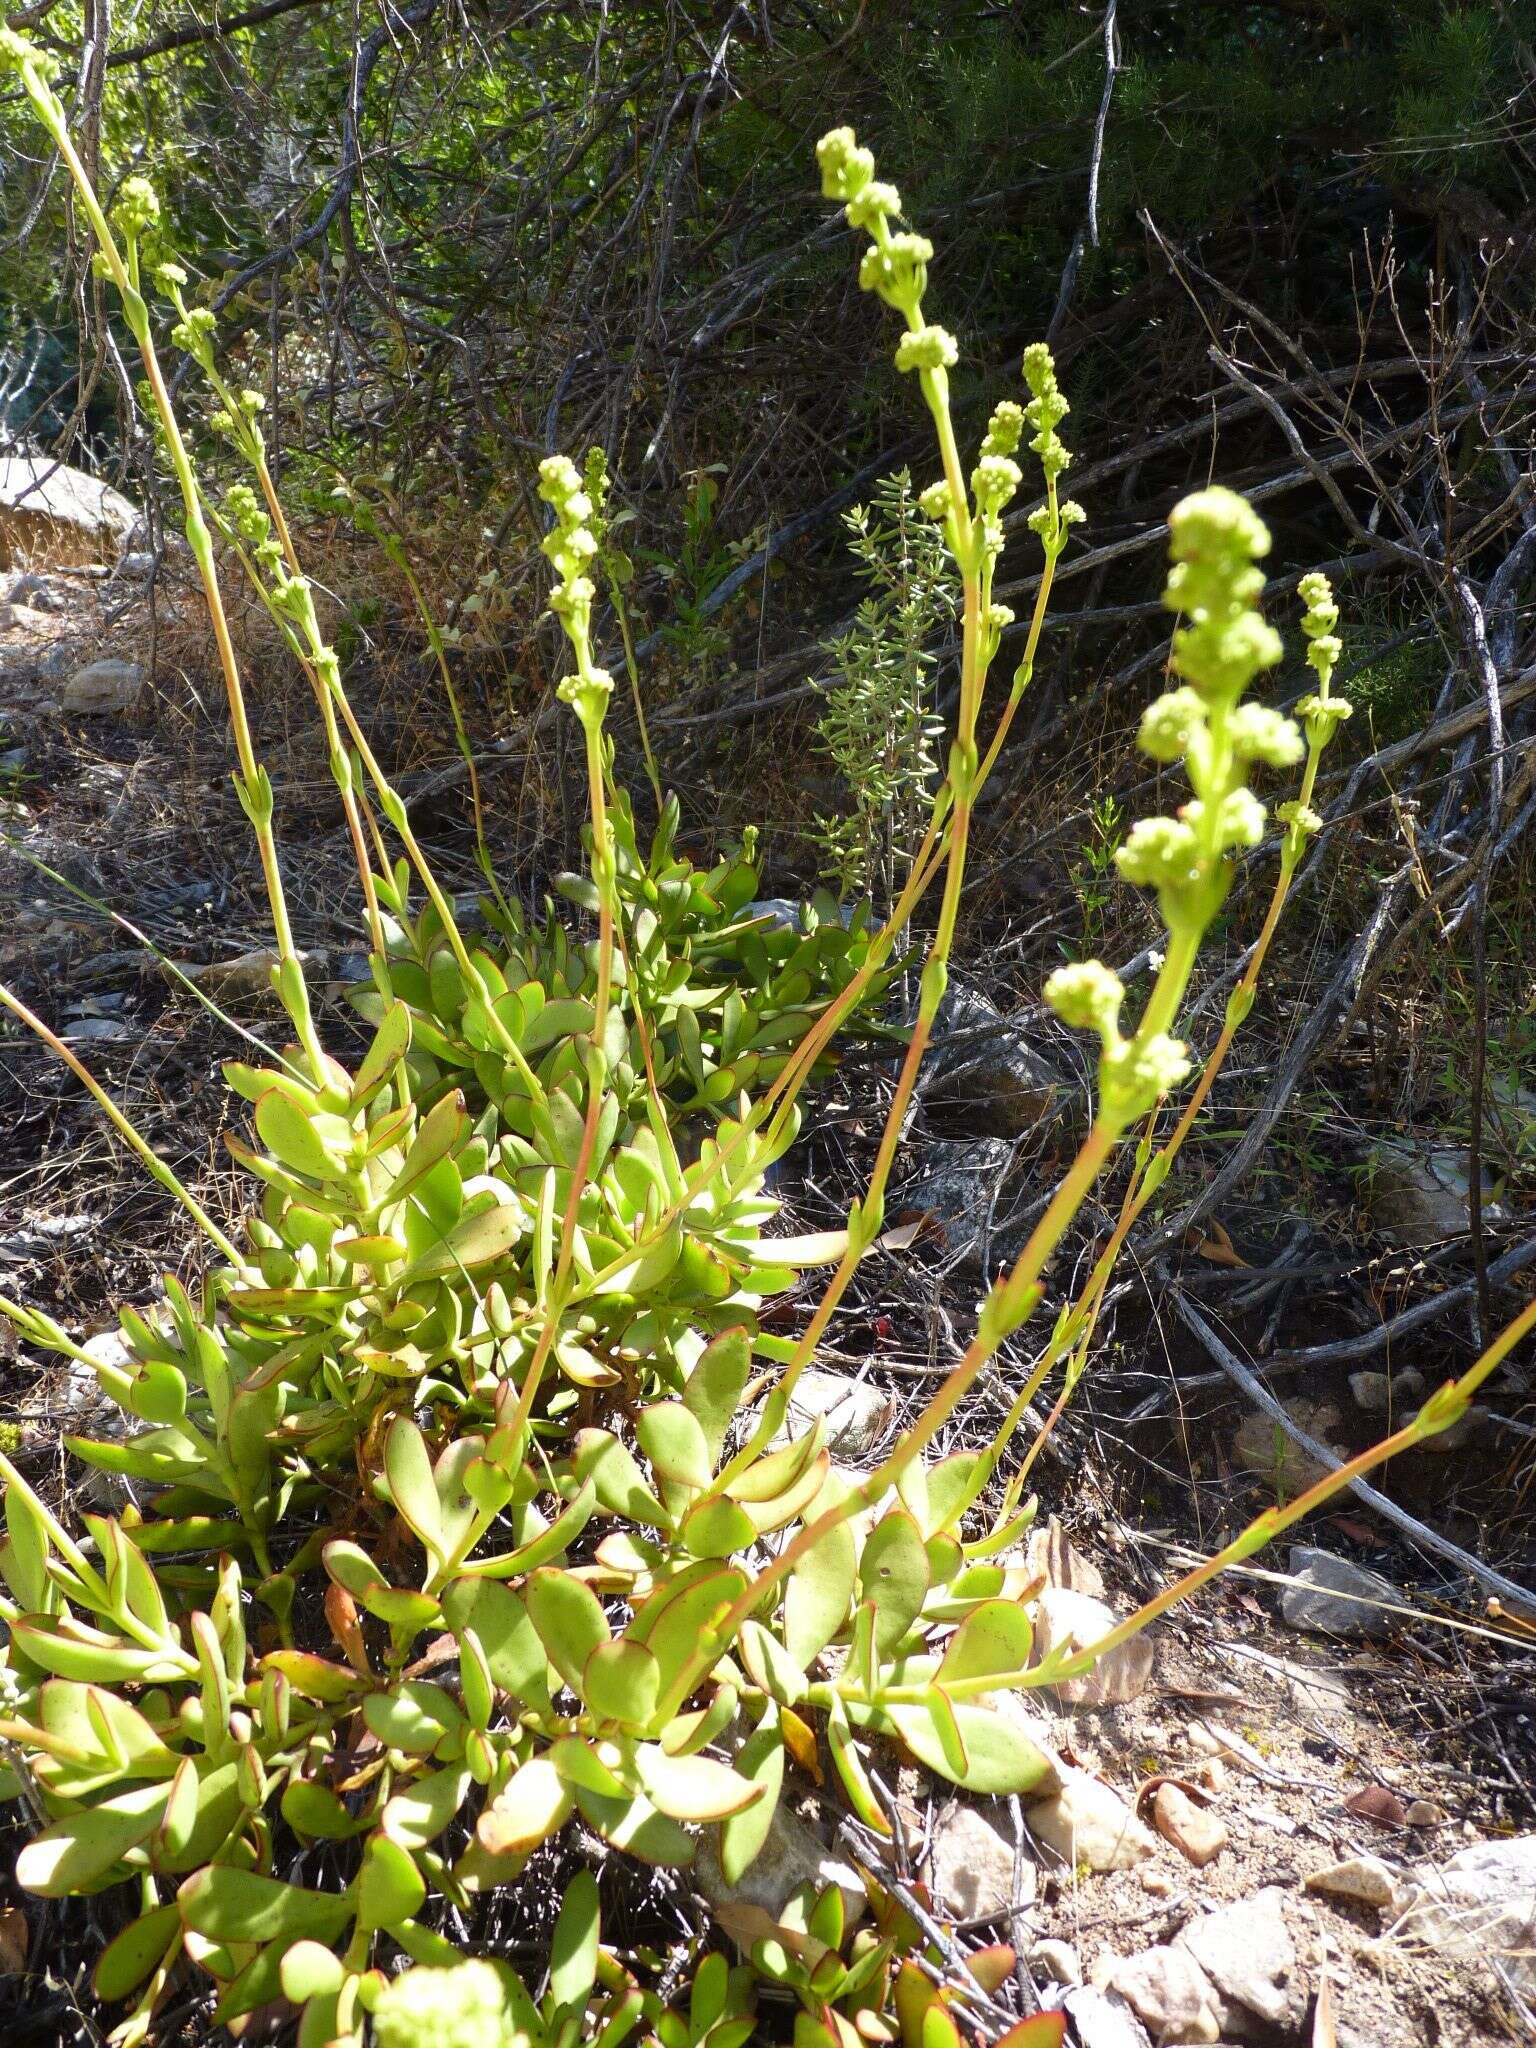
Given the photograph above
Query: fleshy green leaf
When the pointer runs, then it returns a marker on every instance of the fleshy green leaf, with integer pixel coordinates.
(573, 1951)
(672, 1438)
(130, 1956)
(570, 1620)
(1000, 1759)
(621, 1682)
(389, 1887)
(819, 1594)
(693, 1788)
(224, 1904)
(994, 1638)
(894, 1576)
(760, 1761)
(713, 1390)
(534, 1803)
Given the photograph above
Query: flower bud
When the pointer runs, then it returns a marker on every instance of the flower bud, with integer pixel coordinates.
(1169, 723)
(845, 168)
(1259, 734)
(930, 348)
(1087, 995)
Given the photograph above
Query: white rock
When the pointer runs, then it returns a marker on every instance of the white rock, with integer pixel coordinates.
(857, 1414)
(789, 1858)
(1366, 1879)
(972, 1867)
(1167, 1988)
(1479, 1905)
(1337, 1596)
(1103, 2019)
(103, 686)
(1247, 1952)
(1421, 1194)
(1075, 1620)
(1088, 1822)
(1058, 1960)
(50, 512)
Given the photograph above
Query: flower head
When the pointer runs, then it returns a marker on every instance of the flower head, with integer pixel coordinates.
(463, 2006)
(1259, 734)
(929, 348)
(1215, 539)
(1046, 410)
(1136, 1075)
(17, 54)
(1160, 853)
(1087, 995)
(845, 168)
(1005, 429)
(896, 270)
(1317, 622)
(136, 207)
(1170, 722)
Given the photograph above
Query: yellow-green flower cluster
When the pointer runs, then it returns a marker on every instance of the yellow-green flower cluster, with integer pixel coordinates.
(895, 266)
(570, 545)
(1217, 541)
(462, 2006)
(1135, 1072)
(136, 208)
(1045, 412)
(1322, 713)
(17, 54)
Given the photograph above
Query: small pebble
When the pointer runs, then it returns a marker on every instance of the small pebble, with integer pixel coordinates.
(1059, 1961)
(1198, 1836)
(1363, 1878)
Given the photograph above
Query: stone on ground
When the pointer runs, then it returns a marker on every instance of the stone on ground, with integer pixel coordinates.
(1364, 1879)
(1087, 1822)
(1167, 1989)
(103, 686)
(1336, 1596)
(857, 1414)
(1198, 1835)
(1247, 1952)
(1480, 1903)
(984, 1074)
(1064, 1618)
(52, 514)
(972, 1865)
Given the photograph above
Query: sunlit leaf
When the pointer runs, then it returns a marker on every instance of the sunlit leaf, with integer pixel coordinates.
(570, 1620)
(760, 1760)
(534, 1803)
(621, 1681)
(994, 1638)
(893, 1574)
(232, 1905)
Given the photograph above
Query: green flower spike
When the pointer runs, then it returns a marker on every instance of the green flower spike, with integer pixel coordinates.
(571, 547)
